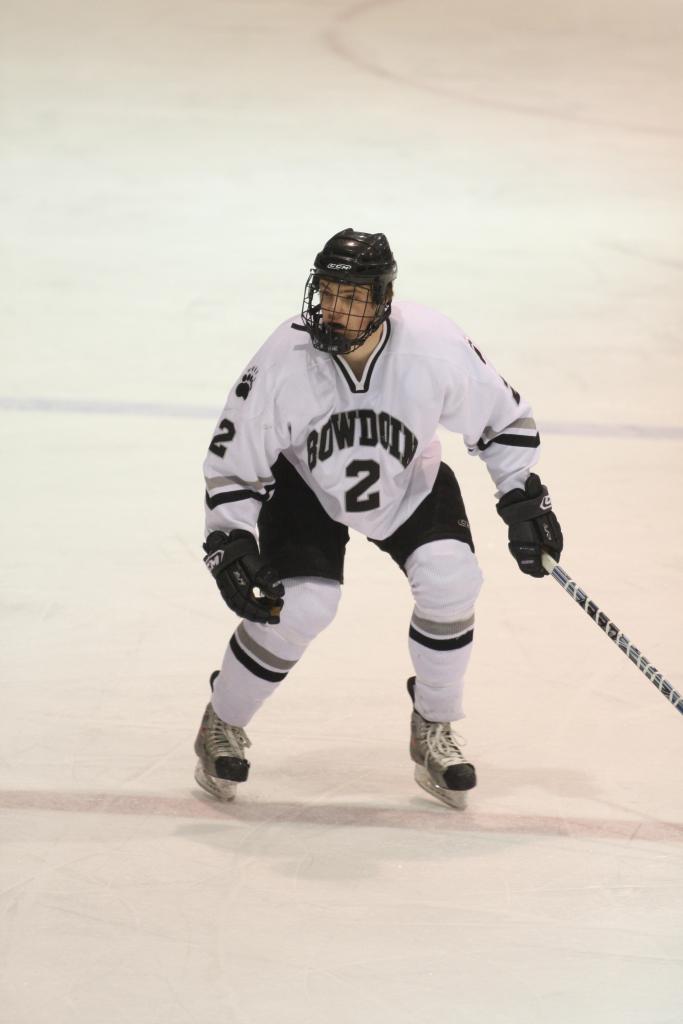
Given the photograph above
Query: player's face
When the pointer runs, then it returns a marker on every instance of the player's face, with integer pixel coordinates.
(348, 308)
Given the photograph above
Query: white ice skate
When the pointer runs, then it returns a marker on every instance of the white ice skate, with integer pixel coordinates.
(220, 748)
(441, 769)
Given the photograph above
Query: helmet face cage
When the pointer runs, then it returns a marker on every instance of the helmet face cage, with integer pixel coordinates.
(358, 268)
(343, 331)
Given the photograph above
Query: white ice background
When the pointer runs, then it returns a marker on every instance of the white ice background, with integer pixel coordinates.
(168, 169)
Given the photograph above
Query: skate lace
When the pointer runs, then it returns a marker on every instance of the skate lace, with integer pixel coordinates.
(441, 743)
(220, 735)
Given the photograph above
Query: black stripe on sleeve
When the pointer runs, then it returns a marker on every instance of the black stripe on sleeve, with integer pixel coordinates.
(253, 666)
(441, 645)
(227, 496)
(515, 440)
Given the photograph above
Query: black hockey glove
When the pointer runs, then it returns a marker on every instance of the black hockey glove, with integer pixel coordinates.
(532, 525)
(234, 561)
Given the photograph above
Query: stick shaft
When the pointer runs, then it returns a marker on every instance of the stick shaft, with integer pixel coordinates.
(613, 632)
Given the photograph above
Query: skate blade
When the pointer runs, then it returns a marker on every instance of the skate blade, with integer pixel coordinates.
(450, 797)
(222, 789)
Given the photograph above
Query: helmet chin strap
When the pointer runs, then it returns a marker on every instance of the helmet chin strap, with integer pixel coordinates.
(335, 341)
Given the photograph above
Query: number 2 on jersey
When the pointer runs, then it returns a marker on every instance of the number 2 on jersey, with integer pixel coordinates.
(217, 446)
(354, 500)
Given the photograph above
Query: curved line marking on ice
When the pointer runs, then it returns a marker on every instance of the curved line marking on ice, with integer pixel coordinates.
(332, 39)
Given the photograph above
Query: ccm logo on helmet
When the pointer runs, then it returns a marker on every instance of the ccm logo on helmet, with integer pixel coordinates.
(339, 266)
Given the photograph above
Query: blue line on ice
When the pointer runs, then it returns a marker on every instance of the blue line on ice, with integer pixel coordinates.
(175, 410)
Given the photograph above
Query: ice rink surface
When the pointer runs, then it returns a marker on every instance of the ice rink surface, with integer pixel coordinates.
(168, 170)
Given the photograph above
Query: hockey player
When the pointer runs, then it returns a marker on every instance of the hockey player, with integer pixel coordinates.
(333, 425)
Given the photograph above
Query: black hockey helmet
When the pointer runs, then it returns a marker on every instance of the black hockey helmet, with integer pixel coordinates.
(354, 258)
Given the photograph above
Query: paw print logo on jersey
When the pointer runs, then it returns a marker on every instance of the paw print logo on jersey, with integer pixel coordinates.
(246, 384)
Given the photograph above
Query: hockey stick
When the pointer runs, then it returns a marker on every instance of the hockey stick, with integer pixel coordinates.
(613, 632)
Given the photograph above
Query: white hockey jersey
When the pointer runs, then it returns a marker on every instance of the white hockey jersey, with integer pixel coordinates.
(367, 448)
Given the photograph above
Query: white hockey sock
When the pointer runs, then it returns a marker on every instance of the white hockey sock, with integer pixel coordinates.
(440, 652)
(445, 579)
(258, 657)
